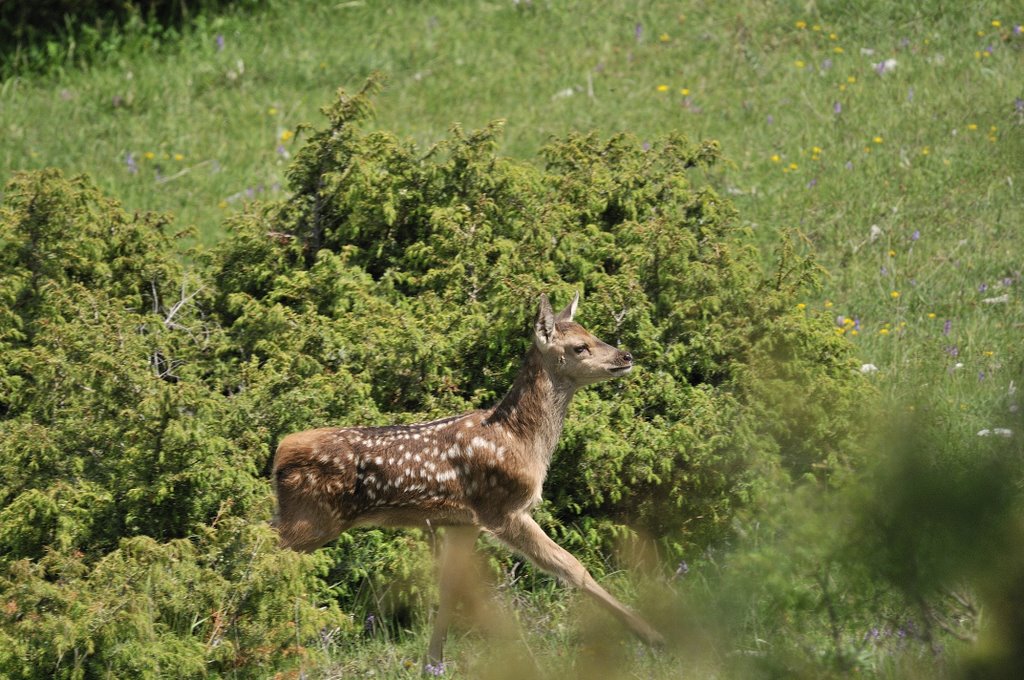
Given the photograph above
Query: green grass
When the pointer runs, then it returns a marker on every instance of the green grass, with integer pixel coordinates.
(925, 156)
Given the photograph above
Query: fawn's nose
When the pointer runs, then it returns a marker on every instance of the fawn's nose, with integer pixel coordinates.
(627, 357)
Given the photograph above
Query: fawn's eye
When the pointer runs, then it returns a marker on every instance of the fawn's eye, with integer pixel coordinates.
(580, 349)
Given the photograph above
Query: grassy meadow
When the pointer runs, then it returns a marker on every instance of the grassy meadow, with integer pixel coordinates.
(887, 136)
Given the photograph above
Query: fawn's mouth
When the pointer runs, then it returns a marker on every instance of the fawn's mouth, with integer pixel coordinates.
(621, 370)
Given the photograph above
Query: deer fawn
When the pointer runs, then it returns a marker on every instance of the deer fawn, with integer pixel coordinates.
(481, 470)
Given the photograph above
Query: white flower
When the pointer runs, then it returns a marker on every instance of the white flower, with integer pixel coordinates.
(883, 67)
(997, 431)
(868, 368)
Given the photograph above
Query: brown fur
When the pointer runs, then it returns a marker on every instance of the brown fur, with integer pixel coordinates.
(482, 470)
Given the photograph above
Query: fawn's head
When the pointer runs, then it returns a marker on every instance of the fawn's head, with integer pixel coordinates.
(571, 352)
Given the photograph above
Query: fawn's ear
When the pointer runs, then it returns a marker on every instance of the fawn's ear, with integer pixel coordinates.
(544, 326)
(570, 310)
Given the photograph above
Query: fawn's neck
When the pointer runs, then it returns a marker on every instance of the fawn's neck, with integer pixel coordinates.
(534, 409)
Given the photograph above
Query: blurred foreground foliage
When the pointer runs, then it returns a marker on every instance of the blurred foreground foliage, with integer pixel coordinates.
(141, 398)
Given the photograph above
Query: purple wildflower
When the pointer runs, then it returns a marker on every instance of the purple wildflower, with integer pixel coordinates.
(1018, 105)
(910, 94)
(981, 375)
(638, 32)
(826, 65)
(837, 108)
(1007, 281)
(683, 569)
(982, 288)
(904, 43)
(770, 119)
(129, 160)
(884, 271)
(953, 351)
(437, 669)
(856, 323)
(840, 320)
(990, 49)
(282, 152)
(813, 183)
(848, 165)
(646, 146)
(220, 42)
(947, 327)
(1017, 30)
(916, 235)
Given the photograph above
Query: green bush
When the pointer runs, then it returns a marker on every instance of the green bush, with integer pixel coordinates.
(133, 539)
(416, 272)
(142, 398)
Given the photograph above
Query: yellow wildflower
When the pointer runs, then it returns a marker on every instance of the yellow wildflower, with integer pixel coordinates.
(793, 166)
(662, 88)
(842, 87)
(149, 155)
(931, 315)
(833, 36)
(883, 331)
(801, 25)
(685, 92)
(272, 111)
(776, 158)
(179, 157)
(972, 126)
(801, 306)
(894, 295)
(828, 303)
(892, 253)
(925, 151)
(877, 139)
(851, 79)
(996, 23)
(286, 135)
(815, 27)
(853, 331)
(838, 50)
(816, 150)
(663, 37)
(799, 63)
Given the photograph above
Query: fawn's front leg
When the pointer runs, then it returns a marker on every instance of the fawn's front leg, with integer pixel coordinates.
(521, 533)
